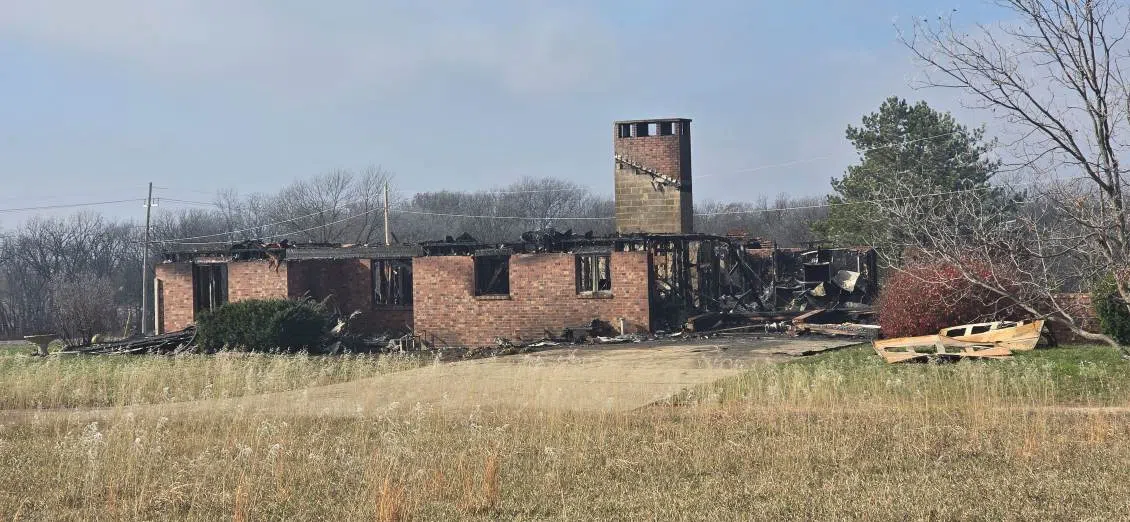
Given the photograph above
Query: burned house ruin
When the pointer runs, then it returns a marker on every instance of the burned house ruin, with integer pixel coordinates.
(653, 275)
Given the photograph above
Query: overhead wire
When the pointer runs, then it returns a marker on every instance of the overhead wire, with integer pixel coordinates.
(827, 156)
(862, 202)
(268, 236)
(477, 216)
(576, 189)
(73, 205)
(184, 201)
(249, 229)
(533, 191)
(421, 212)
(568, 218)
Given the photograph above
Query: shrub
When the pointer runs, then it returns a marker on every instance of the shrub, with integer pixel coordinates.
(82, 305)
(1113, 316)
(923, 299)
(265, 325)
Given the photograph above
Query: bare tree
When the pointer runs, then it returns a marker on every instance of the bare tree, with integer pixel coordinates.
(1055, 75)
(338, 207)
(504, 213)
(82, 304)
(1017, 257)
(44, 250)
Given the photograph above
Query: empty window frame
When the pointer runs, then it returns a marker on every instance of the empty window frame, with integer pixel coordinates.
(492, 275)
(392, 282)
(593, 273)
(209, 286)
(624, 130)
(642, 130)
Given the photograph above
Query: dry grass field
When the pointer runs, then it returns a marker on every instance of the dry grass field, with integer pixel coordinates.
(835, 436)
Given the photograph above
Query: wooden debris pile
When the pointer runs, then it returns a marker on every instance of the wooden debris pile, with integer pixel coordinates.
(164, 344)
(996, 340)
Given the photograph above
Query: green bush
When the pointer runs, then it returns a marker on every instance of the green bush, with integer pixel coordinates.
(1113, 316)
(265, 325)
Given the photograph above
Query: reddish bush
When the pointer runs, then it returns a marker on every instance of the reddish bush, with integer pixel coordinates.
(923, 299)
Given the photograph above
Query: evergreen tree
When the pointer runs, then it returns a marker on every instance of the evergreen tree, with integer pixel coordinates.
(904, 149)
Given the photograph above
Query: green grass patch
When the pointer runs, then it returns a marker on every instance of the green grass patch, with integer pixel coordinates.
(1071, 375)
(15, 349)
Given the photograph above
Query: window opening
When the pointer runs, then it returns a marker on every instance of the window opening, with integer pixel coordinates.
(593, 273)
(492, 275)
(209, 286)
(392, 282)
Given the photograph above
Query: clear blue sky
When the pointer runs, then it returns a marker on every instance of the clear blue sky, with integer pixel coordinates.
(98, 98)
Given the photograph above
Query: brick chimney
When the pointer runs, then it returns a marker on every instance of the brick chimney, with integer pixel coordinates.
(652, 161)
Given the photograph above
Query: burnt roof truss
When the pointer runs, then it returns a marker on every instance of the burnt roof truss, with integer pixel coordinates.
(657, 179)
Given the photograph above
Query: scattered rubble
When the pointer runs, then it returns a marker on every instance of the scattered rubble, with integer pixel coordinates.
(164, 344)
(838, 322)
(41, 342)
(996, 340)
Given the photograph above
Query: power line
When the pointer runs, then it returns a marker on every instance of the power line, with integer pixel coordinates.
(323, 225)
(196, 191)
(249, 229)
(484, 192)
(826, 156)
(862, 202)
(185, 201)
(493, 192)
(586, 218)
(589, 218)
(71, 205)
(581, 218)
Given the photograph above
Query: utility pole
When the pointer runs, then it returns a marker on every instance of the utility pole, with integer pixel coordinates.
(388, 232)
(145, 263)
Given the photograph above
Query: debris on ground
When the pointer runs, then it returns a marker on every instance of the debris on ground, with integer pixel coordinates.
(995, 340)
(837, 322)
(803, 325)
(627, 338)
(41, 342)
(170, 343)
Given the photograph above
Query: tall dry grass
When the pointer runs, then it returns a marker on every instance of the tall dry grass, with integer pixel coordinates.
(780, 442)
(108, 380)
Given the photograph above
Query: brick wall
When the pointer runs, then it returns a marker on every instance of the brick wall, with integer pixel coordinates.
(640, 206)
(542, 297)
(176, 295)
(350, 282)
(256, 280)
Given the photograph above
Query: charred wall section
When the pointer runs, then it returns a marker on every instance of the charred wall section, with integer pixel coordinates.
(347, 285)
